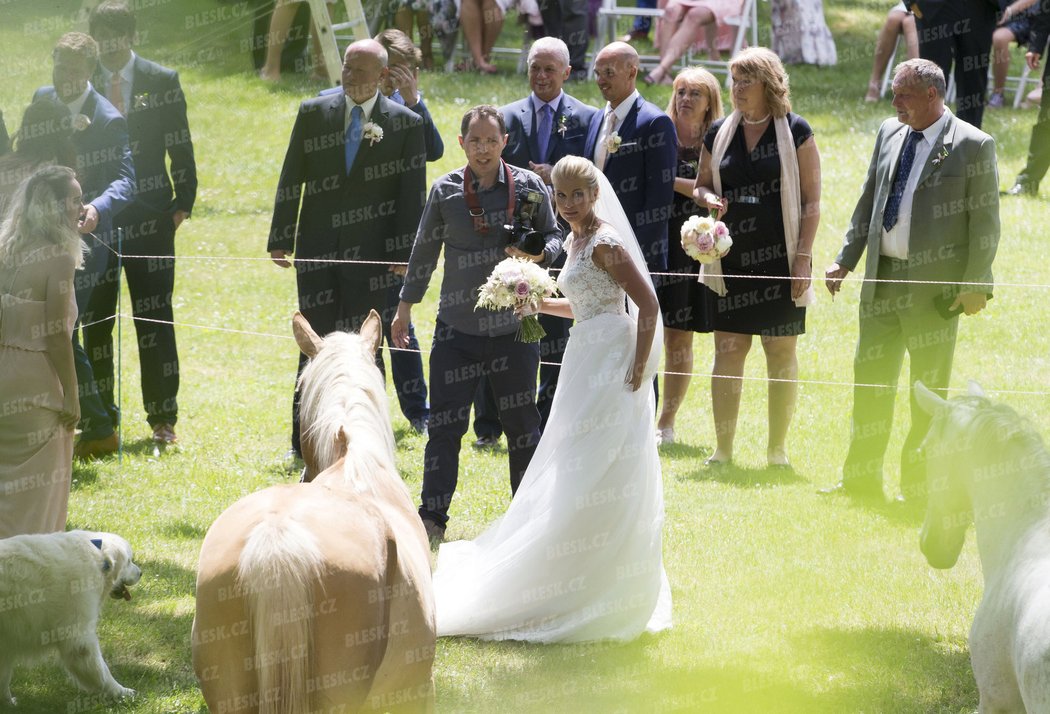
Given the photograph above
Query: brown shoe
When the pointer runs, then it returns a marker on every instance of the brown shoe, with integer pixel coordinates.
(164, 434)
(96, 448)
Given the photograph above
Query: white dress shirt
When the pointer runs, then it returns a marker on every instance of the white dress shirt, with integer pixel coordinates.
(895, 241)
(366, 110)
(621, 111)
(126, 75)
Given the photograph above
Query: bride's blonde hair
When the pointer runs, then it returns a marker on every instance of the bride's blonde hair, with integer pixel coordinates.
(571, 168)
(36, 217)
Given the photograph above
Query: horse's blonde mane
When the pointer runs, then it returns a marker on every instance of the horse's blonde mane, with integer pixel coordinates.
(343, 401)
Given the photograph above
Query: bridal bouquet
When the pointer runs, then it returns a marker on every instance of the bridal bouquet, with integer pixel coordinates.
(517, 283)
(705, 239)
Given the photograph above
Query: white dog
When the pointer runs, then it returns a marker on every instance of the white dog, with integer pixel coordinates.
(51, 591)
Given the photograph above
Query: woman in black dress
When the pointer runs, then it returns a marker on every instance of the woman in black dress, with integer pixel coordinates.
(761, 168)
(696, 101)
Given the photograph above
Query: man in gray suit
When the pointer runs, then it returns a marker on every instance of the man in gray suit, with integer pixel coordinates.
(928, 215)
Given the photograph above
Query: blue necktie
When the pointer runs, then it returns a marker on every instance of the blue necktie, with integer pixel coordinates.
(353, 137)
(893, 203)
(543, 136)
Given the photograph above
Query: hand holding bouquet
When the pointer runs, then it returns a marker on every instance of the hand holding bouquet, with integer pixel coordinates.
(518, 284)
(705, 238)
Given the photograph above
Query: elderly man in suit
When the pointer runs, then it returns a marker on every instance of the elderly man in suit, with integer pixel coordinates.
(634, 144)
(351, 189)
(107, 176)
(929, 216)
(541, 128)
(151, 98)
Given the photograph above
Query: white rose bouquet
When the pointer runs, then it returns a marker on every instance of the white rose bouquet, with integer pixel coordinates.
(517, 283)
(705, 238)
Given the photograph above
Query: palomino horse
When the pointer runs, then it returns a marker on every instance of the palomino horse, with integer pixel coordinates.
(316, 597)
(987, 466)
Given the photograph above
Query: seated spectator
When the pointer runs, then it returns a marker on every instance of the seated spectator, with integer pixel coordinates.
(280, 29)
(44, 138)
(898, 22)
(482, 21)
(1014, 26)
(417, 11)
(681, 26)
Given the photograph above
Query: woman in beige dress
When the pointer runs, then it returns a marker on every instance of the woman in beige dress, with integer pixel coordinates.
(40, 249)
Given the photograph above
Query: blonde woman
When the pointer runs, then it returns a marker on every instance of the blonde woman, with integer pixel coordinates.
(696, 102)
(39, 250)
(760, 167)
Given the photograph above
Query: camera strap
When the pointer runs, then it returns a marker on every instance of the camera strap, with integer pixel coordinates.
(474, 205)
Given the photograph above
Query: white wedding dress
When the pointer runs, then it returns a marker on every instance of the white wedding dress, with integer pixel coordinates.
(577, 556)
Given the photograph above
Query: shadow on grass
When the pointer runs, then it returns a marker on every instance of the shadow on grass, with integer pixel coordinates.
(183, 530)
(821, 671)
(744, 477)
(145, 642)
(679, 450)
(85, 473)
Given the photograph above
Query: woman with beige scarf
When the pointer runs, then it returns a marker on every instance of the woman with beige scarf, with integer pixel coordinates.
(761, 169)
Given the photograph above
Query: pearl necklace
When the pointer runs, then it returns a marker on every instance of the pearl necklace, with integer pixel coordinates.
(763, 120)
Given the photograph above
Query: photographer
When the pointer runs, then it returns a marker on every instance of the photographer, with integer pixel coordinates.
(468, 212)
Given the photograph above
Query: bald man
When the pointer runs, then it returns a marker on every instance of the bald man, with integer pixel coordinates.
(356, 162)
(634, 144)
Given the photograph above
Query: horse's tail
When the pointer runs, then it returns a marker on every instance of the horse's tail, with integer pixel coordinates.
(277, 571)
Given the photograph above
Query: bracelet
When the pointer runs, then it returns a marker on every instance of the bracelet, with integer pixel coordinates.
(804, 255)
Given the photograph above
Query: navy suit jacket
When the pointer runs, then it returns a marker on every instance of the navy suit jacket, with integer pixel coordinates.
(522, 146)
(104, 166)
(642, 174)
(370, 214)
(435, 146)
(158, 128)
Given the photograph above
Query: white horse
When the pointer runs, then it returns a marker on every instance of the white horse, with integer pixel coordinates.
(987, 466)
(316, 597)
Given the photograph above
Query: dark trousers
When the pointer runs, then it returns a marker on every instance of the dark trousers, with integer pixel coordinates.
(567, 20)
(151, 283)
(457, 362)
(335, 296)
(960, 30)
(486, 413)
(897, 321)
(642, 24)
(1039, 146)
(406, 367)
(98, 418)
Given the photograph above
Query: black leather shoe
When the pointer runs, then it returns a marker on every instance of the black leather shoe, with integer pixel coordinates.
(486, 442)
(862, 494)
(1020, 189)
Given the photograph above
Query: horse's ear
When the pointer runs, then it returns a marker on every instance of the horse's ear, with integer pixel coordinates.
(372, 331)
(927, 400)
(974, 389)
(305, 336)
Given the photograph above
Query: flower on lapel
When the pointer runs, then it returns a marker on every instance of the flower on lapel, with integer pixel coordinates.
(81, 122)
(140, 101)
(563, 125)
(612, 144)
(373, 132)
(941, 156)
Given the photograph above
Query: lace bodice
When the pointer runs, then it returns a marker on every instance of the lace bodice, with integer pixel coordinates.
(591, 291)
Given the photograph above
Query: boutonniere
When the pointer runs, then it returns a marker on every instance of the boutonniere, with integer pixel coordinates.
(612, 144)
(81, 122)
(140, 101)
(563, 125)
(373, 132)
(941, 156)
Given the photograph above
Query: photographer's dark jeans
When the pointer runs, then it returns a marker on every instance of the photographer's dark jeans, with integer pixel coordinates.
(457, 363)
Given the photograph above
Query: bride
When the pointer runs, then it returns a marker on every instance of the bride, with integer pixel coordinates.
(577, 555)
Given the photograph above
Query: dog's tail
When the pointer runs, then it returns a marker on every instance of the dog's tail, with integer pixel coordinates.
(278, 569)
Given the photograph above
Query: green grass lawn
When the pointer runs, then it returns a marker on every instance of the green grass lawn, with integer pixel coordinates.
(784, 601)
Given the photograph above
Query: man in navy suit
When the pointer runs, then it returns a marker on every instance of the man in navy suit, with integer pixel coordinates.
(541, 128)
(634, 144)
(356, 162)
(107, 176)
(151, 98)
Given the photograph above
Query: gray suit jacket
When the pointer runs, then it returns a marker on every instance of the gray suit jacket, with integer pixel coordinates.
(955, 212)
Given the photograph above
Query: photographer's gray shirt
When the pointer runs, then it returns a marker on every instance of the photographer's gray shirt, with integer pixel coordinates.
(470, 256)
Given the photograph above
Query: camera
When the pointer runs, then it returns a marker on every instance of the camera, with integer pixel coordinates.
(522, 235)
